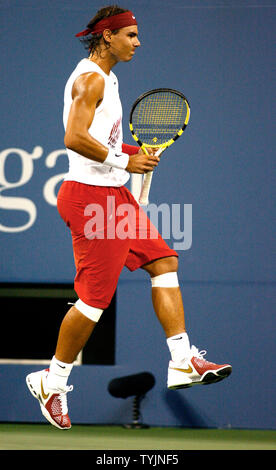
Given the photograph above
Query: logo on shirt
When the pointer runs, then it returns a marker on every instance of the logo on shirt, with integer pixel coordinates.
(115, 133)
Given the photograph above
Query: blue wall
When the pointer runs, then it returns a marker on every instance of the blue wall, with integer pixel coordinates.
(220, 54)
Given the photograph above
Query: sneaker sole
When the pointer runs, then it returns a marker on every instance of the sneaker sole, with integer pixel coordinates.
(210, 377)
(44, 411)
(31, 388)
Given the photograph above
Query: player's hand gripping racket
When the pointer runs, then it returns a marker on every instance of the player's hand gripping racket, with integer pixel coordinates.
(157, 119)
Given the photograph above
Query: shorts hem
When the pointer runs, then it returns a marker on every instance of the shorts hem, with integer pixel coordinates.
(93, 303)
(136, 266)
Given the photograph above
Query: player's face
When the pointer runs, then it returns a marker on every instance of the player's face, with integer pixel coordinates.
(124, 43)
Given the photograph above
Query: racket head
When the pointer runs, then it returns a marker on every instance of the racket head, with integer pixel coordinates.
(159, 117)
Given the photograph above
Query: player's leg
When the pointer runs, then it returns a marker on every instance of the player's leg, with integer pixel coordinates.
(75, 330)
(49, 386)
(187, 367)
(168, 304)
(98, 259)
(98, 267)
(150, 252)
(167, 300)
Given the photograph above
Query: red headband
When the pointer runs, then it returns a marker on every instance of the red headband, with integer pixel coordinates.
(112, 22)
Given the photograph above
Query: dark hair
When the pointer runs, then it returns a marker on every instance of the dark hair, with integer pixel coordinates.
(92, 41)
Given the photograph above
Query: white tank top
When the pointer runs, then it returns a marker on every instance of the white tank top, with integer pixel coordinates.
(106, 128)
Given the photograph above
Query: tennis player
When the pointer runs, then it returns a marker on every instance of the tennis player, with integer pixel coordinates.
(99, 167)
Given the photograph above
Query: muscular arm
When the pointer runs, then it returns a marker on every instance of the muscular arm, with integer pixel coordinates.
(87, 94)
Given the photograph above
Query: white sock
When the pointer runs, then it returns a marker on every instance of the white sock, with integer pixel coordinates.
(179, 346)
(58, 374)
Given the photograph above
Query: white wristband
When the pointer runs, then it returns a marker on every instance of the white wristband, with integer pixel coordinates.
(116, 159)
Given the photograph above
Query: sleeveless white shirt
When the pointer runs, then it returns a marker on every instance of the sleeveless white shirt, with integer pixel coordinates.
(106, 128)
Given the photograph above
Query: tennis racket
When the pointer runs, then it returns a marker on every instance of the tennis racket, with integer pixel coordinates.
(157, 119)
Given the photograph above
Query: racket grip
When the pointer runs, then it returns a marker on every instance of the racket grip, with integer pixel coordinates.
(144, 196)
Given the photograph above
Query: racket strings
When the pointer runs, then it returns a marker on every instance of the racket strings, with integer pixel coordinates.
(158, 117)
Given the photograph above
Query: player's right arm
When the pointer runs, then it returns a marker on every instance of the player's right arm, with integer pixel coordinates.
(87, 94)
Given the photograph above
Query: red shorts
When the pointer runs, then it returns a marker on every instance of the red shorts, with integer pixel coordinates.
(109, 231)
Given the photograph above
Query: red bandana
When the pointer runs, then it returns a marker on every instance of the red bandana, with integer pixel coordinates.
(112, 22)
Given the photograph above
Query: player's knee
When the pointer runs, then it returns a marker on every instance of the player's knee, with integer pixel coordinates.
(172, 264)
(162, 266)
(166, 273)
(92, 313)
(166, 265)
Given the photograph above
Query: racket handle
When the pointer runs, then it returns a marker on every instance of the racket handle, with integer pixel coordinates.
(144, 196)
(136, 183)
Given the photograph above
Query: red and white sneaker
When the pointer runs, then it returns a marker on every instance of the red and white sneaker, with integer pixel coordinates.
(196, 371)
(53, 403)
